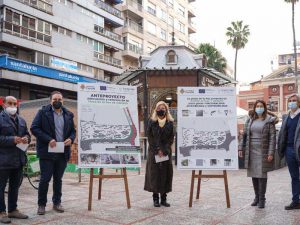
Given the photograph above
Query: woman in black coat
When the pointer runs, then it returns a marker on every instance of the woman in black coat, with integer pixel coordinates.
(159, 175)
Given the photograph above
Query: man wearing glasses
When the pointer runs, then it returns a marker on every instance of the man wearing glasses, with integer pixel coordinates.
(13, 135)
(289, 146)
(53, 127)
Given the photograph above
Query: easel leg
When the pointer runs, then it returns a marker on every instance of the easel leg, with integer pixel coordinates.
(226, 188)
(199, 184)
(100, 183)
(91, 189)
(79, 175)
(192, 189)
(126, 188)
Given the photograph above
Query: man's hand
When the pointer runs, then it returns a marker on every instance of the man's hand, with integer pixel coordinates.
(18, 140)
(68, 142)
(270, 158)
(25, 140)
(52, 143)
(240, 154)
(160, 153)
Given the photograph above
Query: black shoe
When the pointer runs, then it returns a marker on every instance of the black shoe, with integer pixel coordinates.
(261, 204)
(165, 204)
(156, 203)
(41, 210)
(255, 202)
(293, 205)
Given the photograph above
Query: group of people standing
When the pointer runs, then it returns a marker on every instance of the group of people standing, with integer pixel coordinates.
(54, 123)
(258, 145)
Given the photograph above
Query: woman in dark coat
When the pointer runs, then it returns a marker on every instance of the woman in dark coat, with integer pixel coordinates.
(159, 175)
(258, 146)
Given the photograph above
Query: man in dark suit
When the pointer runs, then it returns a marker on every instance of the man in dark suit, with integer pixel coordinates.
(13, 133)
(52, 126)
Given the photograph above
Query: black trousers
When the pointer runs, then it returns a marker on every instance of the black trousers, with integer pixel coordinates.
(14, 177)
(51, 167)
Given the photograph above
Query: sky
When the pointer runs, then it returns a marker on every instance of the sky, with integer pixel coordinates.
(270, 24)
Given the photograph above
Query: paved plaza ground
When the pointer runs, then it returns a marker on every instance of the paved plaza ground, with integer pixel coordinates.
(210, 209)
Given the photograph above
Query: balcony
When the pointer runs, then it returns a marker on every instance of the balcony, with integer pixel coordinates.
(107, 59)
(43, 5)
(134, 8)
(132, 50)
(23, 32)
(108, 8)
(191, 13)
(109, 34)
(151, 11)
(133, 26)
(192, 27)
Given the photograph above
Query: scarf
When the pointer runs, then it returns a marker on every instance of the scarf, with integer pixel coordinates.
(162, 122)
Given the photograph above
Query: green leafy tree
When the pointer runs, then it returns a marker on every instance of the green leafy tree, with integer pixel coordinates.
(214, 57)
(294, 38)
(238, 38)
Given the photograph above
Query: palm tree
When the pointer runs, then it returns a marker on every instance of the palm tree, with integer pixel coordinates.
(238, 38)
(294, 38)
(214, 57)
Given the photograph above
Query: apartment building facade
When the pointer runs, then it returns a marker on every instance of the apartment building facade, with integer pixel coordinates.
(48, 45)
(149, 24)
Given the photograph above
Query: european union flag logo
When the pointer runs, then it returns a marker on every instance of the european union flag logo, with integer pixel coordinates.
(102, 88)
(202, 91)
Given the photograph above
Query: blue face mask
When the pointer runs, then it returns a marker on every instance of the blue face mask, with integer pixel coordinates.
(293, 105)
(259, 111)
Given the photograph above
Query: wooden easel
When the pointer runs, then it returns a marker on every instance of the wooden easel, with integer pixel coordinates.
(199, 177)
(101, 176)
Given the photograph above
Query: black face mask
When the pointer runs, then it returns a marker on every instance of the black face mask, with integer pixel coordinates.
(161, 112)
(57, 105)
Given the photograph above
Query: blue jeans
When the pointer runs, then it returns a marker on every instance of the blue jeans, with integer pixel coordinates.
(14, 176)
(293, 166)
(51, 167)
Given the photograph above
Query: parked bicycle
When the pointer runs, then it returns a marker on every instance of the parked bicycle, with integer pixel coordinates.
(31, 170)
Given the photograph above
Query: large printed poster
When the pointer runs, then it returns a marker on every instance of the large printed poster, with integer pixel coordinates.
(207, 128)
(108, 135)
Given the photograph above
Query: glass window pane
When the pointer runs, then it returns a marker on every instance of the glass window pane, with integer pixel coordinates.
(31, 24)
(25, 20)
(8, 15)
(40, 26)
(46, 60)
(39, 58)
(16, 18)
(47, 28)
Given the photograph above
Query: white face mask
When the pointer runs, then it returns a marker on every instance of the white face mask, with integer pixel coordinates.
(11, 110)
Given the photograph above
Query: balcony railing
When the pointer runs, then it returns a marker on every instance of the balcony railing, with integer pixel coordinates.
(133, 48)
(43, 5)
(151, 11)
(26, 33)
(107, 59)
(107, 33)
(135, 26)
(135, 5)
(108, 8)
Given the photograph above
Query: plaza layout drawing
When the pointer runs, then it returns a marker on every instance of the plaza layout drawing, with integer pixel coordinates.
(93, 132)
(196, 139)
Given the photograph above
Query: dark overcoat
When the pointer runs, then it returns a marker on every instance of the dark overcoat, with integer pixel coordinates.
(268, 143)
(43, 128)
(11, 157)
(159, 176)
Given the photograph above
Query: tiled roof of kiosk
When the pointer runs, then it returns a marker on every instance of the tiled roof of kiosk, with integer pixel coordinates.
(186, 58)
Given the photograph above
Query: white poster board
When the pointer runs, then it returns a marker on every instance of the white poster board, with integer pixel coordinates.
(108, 135)
(207, 128)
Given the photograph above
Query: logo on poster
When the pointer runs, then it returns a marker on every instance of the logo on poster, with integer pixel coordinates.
(102, 88)
(201, 91)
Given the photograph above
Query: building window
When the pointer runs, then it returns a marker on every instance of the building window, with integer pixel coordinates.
(151, 8)
(66, 3)
(163, 34)
(180, 26)
(171, 57)
(151, 28)
(163, 15)
(61, 30)
(171, 3)
(181, 10)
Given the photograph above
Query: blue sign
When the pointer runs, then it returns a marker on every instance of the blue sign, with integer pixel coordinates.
(43, 71)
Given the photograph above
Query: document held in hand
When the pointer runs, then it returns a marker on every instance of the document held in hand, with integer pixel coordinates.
(159, 159)
(22, 146)
(59, 148)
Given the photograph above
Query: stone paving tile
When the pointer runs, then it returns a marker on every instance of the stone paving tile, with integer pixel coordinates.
(210, 209)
